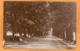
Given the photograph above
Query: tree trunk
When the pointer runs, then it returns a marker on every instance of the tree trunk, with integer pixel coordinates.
(13, 37)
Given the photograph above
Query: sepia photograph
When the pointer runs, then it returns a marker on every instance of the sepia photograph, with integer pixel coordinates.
(39, 25)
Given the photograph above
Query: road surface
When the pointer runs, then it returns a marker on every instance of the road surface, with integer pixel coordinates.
(47, 42)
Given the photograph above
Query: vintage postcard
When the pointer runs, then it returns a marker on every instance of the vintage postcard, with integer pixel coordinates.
(39, 25)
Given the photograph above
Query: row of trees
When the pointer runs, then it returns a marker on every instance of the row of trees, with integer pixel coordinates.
(36, 18)
(25, 18)
(64, 26)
